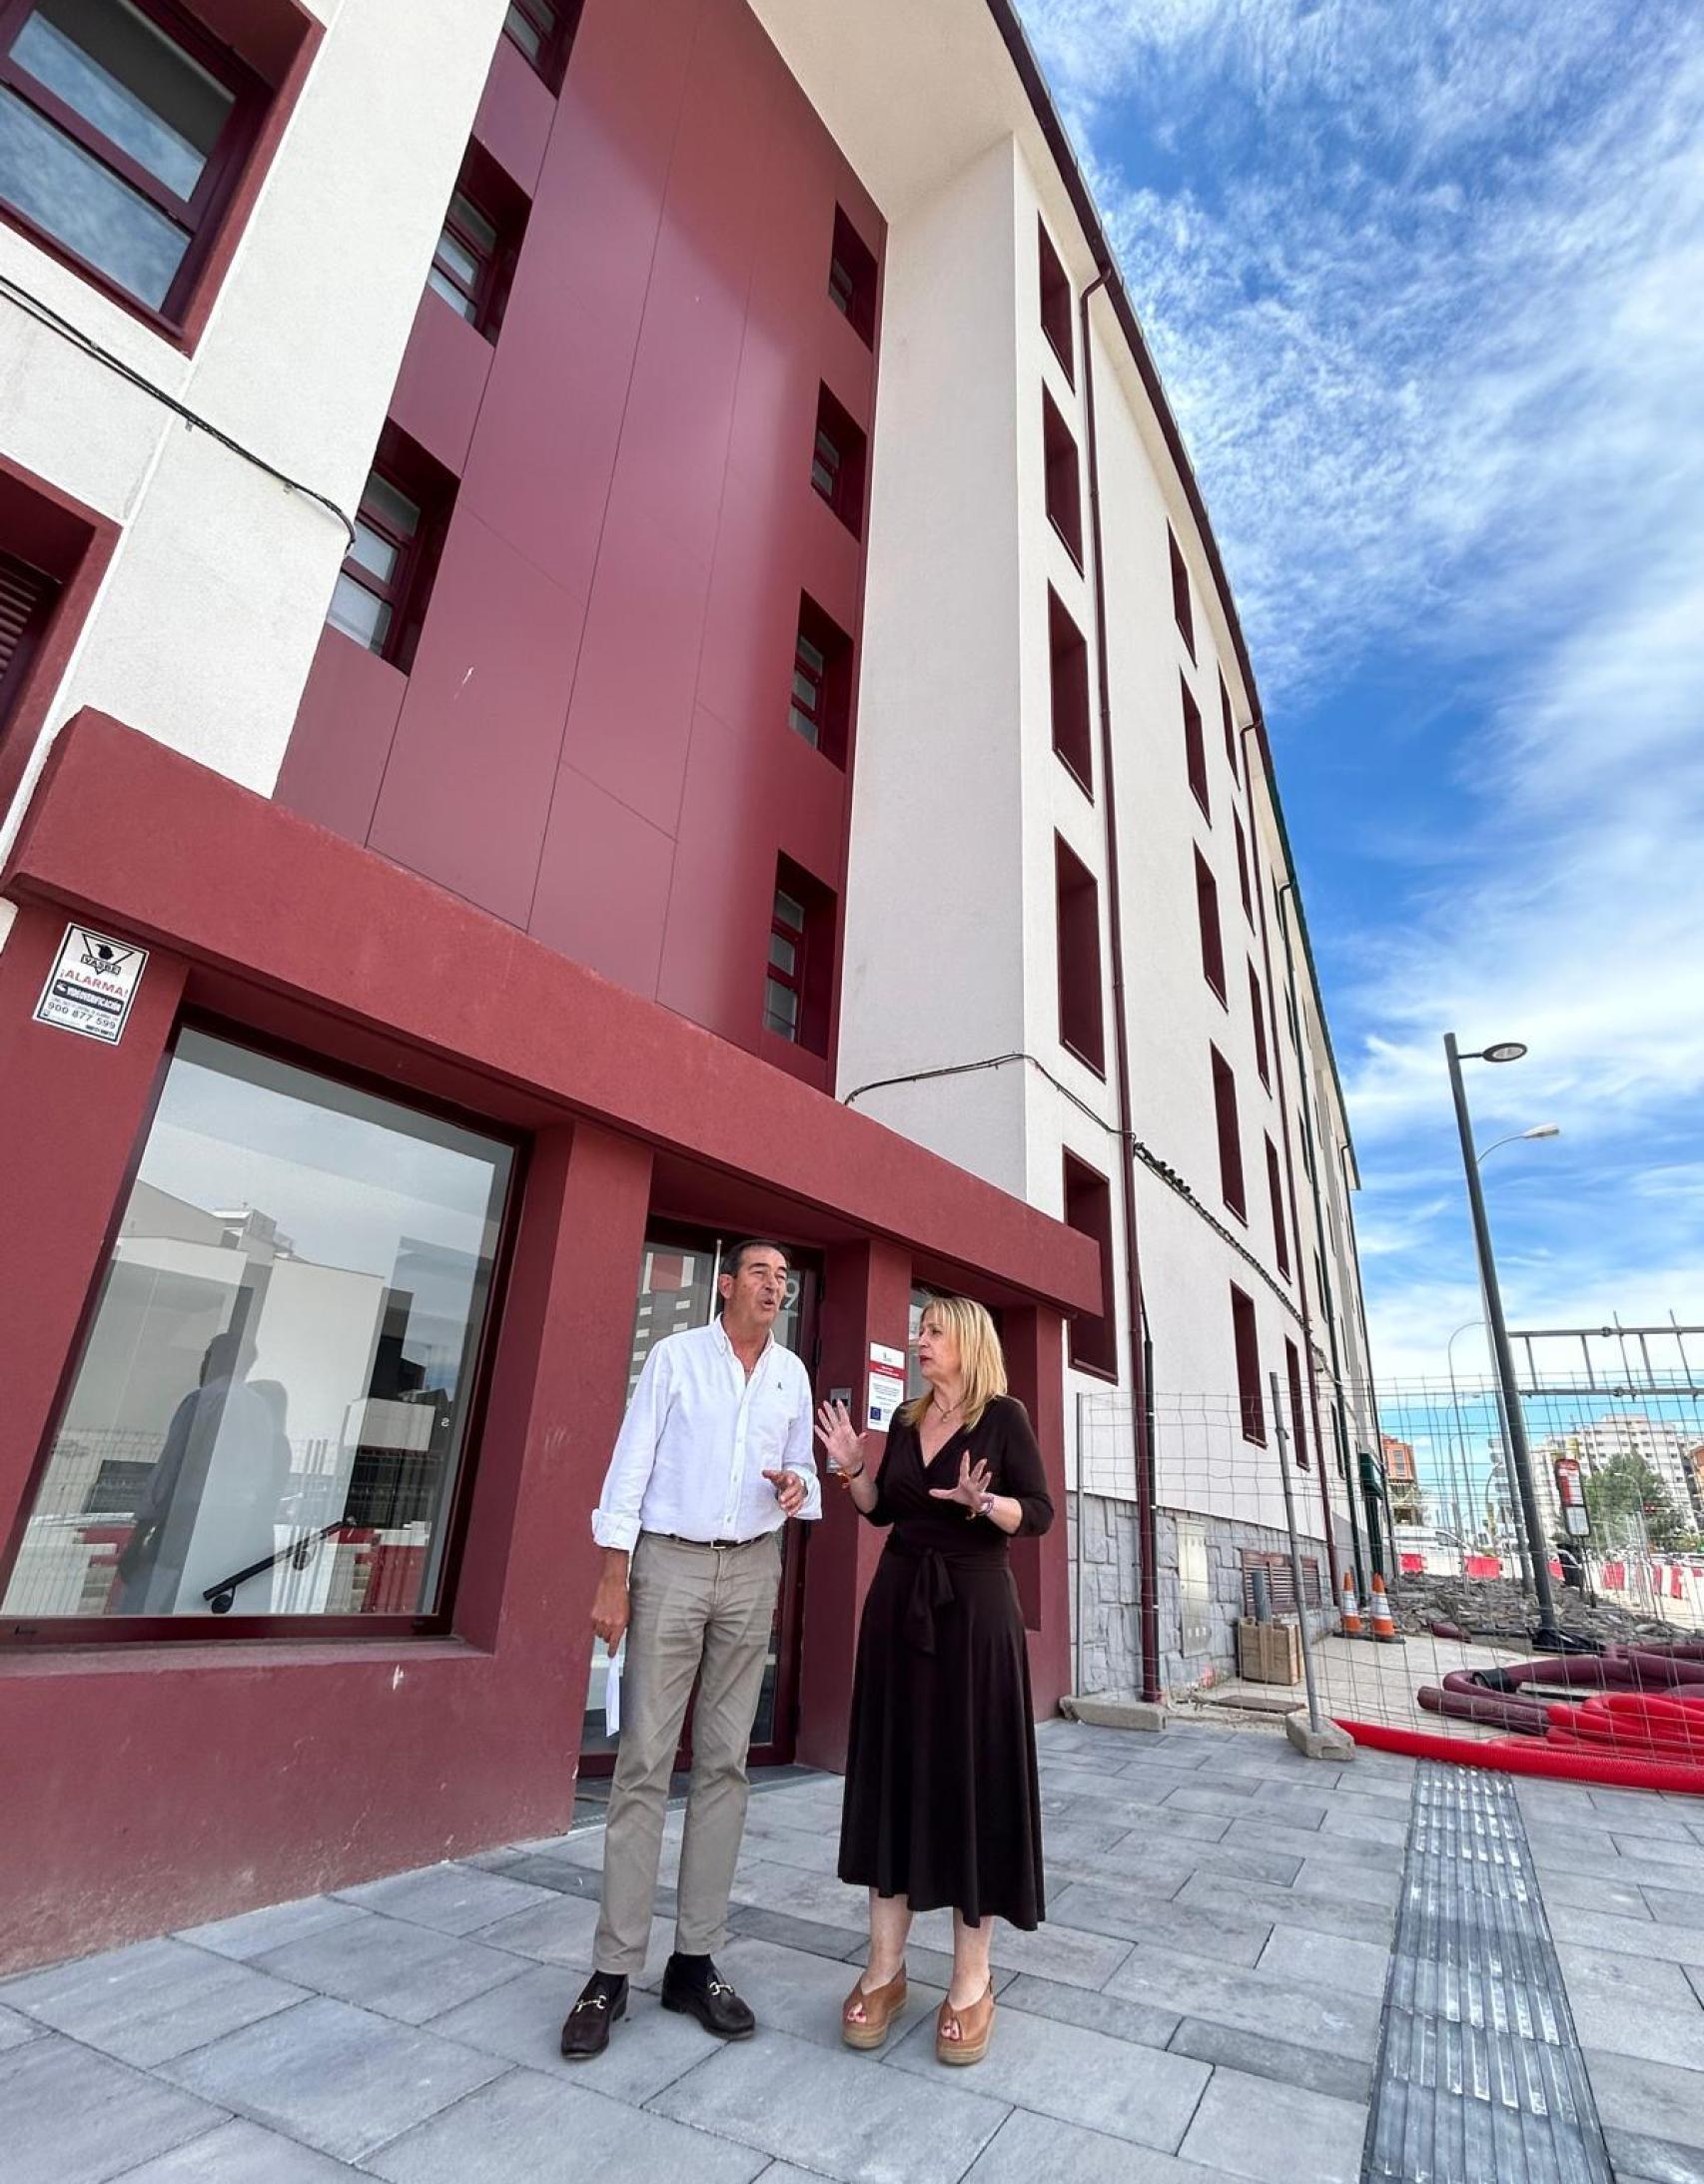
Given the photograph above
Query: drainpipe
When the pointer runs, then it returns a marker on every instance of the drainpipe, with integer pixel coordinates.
(1345, 1462)
(1366, 1355)
(1141, 1356)
(1301, 1264)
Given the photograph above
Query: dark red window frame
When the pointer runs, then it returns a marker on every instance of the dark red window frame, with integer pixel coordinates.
(837, 461)
(551, 24)
(61, 550)
(1242, 869)
(852, 278)
(809, 977)
(1211, 934)
(820, 706)
(1092, 1339)
(1077, 901)
(1274, 1184)
(1230, 729)
(1068, 666)
(405, 467)
(1227, 1124)
(1245, 1337)
(1298, 1408)
(1256, 1010)
(198, 216)
(482, 189)
(1195, 749)
(1064, 481)
(1054, 301)
(28, 596)
(1182, 611)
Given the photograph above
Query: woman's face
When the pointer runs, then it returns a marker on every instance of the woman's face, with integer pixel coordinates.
(937, 1349)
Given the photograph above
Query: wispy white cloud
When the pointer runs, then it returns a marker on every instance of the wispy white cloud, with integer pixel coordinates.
(1423, 287)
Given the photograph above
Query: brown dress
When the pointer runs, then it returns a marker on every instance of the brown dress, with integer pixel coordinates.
(941, 1803)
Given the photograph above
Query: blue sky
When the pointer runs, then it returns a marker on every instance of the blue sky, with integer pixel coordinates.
(1426, 282)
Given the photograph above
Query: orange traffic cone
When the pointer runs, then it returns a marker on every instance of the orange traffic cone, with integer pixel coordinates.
(1383, 1622)
(1351, 1609)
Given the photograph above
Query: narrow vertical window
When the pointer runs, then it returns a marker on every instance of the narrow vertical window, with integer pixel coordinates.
(1093, 1343)
(852, 279)
(1211, 942)
(819, 708)
(543, 30)
(1195, 748)
(1230, 728)
(1229, 1135)
(1248, 1348)
(1275, 1185)
(785, 984)
(1056, 301)
(474, 264)
(1242, 869)
(1068, 666)
(1064, 483)
(1077, 903)
(837, 461)
(1298, 1408)
(1257, 1013)
(27, 597)
(1182, 613)
(384, 587)
(798, 988)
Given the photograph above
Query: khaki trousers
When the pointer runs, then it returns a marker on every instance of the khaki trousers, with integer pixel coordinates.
(693, 1611)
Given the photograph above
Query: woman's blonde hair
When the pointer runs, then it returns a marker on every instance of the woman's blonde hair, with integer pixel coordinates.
(982, 1363)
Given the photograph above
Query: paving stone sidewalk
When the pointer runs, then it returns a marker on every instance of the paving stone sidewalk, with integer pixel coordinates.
(1203, 2003)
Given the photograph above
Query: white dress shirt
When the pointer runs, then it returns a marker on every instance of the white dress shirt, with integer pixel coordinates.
(698, 1437)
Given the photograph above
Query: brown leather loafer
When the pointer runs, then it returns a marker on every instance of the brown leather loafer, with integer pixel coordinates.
(962, 2036)
(880, 2005)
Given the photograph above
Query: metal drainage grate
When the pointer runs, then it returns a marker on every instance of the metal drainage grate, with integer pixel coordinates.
(1480, 2078)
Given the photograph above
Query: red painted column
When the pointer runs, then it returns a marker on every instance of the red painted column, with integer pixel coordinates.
(71, 1110)
(1033, 1338)
(867, 1299)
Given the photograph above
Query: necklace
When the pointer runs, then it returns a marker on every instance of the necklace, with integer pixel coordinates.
(945, 1410)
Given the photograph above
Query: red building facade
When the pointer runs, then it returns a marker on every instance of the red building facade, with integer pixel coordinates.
(550, 882)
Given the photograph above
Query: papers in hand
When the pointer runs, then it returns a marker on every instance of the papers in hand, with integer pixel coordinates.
(613, 1690)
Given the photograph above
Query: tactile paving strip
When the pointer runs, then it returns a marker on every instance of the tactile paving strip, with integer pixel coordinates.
(1480, 2078)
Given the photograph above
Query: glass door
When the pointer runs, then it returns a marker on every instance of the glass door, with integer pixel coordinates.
(677, 1290)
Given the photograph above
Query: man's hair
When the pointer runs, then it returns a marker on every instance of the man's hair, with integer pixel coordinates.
(735, 1257)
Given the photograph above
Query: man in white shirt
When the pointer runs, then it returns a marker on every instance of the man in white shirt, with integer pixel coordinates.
(713, 1456)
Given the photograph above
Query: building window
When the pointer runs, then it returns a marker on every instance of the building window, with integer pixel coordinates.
(382, 588)
(1242, 869)
(837, 463)
(820, 708)
(1230, 728)
(1248, 1346)
(1078, 906)
(543, 30)
(1182, 613)
(1195, 749)
(474, 264)
(1064, 484)
(1274, 1184)
(1212, 943)
(1256, 1011)
(1298, 1408)
(1229, 1135)
(1056, 301)
(123, 130)
(1068, 660)
(852, 279)
(1093, 1343)
(269, 1415)
(27, 599)
(796, 991)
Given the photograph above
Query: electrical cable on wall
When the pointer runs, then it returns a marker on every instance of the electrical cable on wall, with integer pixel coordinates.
(46, 315)
(1148, 1158)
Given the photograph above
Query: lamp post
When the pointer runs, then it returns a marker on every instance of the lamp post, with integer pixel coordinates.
(1514, 1420)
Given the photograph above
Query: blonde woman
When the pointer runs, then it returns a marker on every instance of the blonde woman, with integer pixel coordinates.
(942, 1804)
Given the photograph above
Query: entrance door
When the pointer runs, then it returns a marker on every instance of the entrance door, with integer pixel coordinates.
(678, 1289)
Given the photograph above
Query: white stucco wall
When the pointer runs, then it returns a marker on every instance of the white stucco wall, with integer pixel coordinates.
(206, 622)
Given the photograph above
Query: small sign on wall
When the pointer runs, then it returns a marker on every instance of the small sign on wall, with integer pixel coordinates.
(887, 1387)
(92, 985)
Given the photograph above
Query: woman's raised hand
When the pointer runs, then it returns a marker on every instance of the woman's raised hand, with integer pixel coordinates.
(841, 1441)
(974, 1484)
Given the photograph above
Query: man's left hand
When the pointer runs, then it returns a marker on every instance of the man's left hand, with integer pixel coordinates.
(789, 1491)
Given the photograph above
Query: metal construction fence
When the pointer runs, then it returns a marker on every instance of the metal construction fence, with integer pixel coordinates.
(1414, 1564)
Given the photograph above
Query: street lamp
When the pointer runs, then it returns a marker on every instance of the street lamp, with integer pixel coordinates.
(1514, 1420)
(1515, 1138)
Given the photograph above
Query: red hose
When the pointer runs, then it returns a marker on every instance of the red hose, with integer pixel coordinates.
(1522, 1756)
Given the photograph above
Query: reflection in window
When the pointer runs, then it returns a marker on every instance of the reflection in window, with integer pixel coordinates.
(271, 1409)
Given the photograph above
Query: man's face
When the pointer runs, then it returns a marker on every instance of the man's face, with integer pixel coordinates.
(757, 1292)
